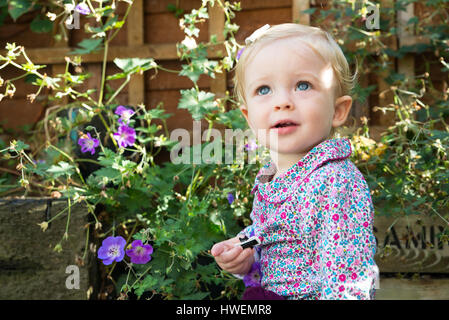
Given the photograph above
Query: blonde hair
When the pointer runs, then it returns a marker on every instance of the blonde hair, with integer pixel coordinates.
(320, 41)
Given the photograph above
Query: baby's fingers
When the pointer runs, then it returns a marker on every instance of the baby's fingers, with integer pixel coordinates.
(229, 255)
(217, 249)
(239, 258)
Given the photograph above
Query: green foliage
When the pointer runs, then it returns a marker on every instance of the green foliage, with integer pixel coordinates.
(41, 25)
(19, 7)
(88, 46)
(197, 102)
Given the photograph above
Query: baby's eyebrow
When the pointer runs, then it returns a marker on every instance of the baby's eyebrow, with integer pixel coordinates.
(299, 74)
(258, 80)
(307, 74)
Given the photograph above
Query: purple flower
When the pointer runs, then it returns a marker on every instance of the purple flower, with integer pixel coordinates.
(112, 249)
(230, 198)
(252, 145)
(82, 8)
(252, 278)
(88, 144)
(140, 253)
(125, 136)
(124, 113)
(239, 53)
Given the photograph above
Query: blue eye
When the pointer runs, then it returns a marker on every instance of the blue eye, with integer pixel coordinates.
(261, 91)
(303, 85)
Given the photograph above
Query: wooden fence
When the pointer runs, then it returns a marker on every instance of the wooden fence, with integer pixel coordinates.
(152, 31)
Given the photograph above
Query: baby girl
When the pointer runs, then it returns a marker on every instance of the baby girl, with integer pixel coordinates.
(312, 211)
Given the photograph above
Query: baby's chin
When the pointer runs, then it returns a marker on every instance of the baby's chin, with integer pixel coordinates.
(290, 151)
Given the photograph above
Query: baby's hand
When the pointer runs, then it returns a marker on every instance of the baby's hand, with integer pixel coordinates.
(233, 258)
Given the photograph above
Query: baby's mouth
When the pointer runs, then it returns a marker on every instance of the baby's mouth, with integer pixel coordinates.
(283, 125)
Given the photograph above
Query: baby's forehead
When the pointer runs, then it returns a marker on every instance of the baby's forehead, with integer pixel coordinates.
(295, 57)
(290, 54)
(300, 46)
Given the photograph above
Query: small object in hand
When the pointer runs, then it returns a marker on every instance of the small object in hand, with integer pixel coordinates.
(248, 243)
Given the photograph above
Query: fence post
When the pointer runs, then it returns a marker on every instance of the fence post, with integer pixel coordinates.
(406, 65)
(216, 26)
(135, 29)
(297, 7)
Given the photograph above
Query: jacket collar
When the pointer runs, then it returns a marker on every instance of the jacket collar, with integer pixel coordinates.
(280, 189)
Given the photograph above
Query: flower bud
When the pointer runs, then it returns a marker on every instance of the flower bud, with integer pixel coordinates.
(57, 248)
(24, 182)
(43, 225)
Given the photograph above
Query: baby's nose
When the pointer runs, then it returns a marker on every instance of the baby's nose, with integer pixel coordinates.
(284, 103)
(284, 99)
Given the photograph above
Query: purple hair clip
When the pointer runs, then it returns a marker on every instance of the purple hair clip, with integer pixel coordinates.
(239, 53)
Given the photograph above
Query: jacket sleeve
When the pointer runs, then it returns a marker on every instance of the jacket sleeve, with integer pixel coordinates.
(249, 230)
(347, 245)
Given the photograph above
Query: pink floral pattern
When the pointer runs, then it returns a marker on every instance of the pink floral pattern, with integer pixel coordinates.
(315, 223)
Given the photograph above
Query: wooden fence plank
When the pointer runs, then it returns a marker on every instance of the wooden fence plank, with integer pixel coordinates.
(297, 7)
(406, 65)
(56, 55)
(384, 119)
(59, 68)
(216, 26)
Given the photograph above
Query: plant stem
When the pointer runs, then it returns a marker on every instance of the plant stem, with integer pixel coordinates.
(103, 73)
(128, 78)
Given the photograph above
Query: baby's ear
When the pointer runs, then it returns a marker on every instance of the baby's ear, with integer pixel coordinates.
(244, 111)
(342, 107)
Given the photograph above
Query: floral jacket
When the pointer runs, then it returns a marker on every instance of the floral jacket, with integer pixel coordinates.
(315, 224)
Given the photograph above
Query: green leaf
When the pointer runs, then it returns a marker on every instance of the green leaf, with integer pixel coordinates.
(20, 145)
(133, 65)
(109, 173)
(198, 67)
(107, 26)
(61, 169)
(19, 7)
(108, 157)
(233, 119)
(197, 102)
(88, 46)
(196, 296)
(31, 78)
(40, 25)
(147, 283)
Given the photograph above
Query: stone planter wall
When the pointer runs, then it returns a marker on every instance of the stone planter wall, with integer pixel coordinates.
(29, 267)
